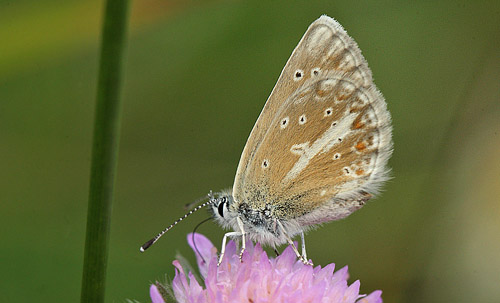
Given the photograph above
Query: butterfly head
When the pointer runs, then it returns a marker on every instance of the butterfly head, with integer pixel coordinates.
(221, 206)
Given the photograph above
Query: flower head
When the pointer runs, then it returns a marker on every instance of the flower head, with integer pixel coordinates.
(259, 278)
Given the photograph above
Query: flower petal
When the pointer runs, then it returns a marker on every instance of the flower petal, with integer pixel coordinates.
(203, 249)
(352, 292)
(155, 294)
(374, 297)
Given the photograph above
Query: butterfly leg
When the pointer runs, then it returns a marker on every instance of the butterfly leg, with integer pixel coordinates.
(303, 243)
(289, 240)
(223, 249)
(243, 240)
(234, 234)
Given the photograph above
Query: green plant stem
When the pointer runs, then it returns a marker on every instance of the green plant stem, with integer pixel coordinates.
(104, 150)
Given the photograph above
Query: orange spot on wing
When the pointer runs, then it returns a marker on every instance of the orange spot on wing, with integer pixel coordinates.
(359, 172)
(360, 146)
(358, 124)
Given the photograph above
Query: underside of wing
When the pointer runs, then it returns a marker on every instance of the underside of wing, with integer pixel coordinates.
(324, 135)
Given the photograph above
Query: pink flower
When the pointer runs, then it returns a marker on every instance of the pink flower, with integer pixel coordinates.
(260, 279)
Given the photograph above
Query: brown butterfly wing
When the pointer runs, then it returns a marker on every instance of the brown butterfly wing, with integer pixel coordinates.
(324, 135)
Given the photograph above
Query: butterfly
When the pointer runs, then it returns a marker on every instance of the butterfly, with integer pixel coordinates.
(318, 151)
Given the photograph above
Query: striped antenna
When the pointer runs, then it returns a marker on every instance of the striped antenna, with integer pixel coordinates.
(158, 236)
(195, 202)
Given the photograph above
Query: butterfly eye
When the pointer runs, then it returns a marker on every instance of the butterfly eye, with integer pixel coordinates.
(220, 209)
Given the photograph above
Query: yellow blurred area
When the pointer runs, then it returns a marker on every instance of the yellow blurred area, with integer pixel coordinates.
(41, 31)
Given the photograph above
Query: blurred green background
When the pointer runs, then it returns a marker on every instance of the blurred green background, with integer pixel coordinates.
(197, 76)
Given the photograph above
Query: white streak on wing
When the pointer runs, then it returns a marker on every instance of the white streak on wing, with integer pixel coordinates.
(322, 145)
(319, 37)
(299, 149)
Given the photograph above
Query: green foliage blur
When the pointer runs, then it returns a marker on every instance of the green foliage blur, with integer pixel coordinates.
(197, 74)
